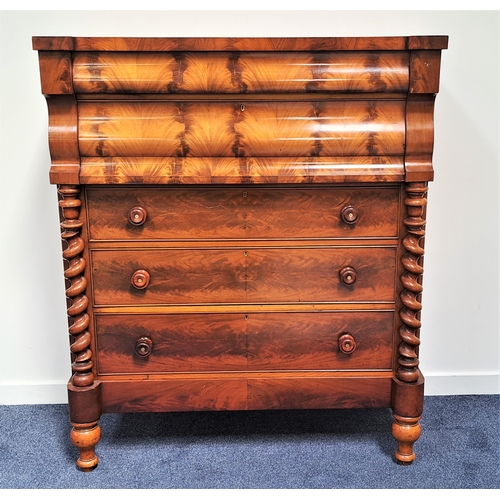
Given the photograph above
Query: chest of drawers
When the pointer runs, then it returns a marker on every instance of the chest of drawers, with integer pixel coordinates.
(242, 222)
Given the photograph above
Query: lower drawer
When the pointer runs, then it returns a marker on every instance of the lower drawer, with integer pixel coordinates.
(173, 343)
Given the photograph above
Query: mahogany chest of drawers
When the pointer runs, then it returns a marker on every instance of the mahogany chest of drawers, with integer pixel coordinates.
(242, 222)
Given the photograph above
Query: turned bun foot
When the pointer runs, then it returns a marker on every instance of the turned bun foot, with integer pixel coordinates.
(406, 430)
(85, 437)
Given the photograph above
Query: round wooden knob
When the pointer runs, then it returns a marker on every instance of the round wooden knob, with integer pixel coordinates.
(137, 216)
(140, 279)
(347, 344)
(348, 275)
(349, 215)
(143, 347)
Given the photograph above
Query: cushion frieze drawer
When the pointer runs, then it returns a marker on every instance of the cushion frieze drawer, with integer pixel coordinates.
(241, 129)
(242, 213)
(243, 72)
(195, 342)
(238, 275)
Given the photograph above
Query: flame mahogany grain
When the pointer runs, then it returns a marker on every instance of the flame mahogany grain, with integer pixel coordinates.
(208, 129)
(244, 342)
(239, 73)
(239, 276)
(242, 213)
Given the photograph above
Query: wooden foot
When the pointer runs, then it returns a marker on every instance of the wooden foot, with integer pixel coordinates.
(85, 437)
(406, 430)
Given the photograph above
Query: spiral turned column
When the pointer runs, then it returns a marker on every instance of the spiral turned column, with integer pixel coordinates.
(407, 395)
(78, 302)
(83, 435)
(411, 279)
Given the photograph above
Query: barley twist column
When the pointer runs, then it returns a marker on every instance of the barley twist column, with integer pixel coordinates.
(408, 384)
(83, 435)
(411, 278)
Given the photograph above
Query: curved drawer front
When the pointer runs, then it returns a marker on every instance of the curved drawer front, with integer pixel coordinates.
(242, 213)
(241, 129)
(235, 72)
(236, 276)
(238, 342)
(257, 170)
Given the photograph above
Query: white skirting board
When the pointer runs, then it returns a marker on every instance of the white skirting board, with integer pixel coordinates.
(33, 394)
(435, 385)
(454, 385)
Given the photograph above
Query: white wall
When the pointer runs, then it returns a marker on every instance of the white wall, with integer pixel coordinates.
(460, 334)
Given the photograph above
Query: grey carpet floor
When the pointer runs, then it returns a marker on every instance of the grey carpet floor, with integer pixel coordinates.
(314, 449)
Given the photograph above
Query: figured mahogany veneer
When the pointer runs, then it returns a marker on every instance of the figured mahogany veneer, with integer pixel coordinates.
(242, 213)
(256, 275)
(253, 341)
(247, 72)
(242, 222)
(241, 129)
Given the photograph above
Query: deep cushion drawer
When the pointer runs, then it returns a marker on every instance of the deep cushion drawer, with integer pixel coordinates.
(241, 213)
(238, 275)
(253, 341)
(241, 129)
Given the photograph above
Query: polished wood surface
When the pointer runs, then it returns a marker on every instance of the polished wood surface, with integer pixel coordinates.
(322, 392)
(243, 222)
(63, 140)
(158, 129)
(241, 213)
(339, 71)
(409, 332)
(301, 390)
(241, 170)
(230, 72)
(256, 275)
(242, 342)
(76, 289)
(116, 44)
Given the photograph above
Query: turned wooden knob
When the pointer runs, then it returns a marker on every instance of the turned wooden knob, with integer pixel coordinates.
(140, 279)
(347, 344)
(137, 216)
(348, 275)
(143, 347)
(349, 215)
